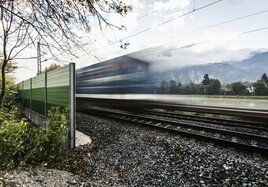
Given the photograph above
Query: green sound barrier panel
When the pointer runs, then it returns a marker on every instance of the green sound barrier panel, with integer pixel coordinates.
(38, 94)
(53, 89)
(58, 86)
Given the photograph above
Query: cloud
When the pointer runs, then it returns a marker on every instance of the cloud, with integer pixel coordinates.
(211, 40)
(169, 58)
(175, 23)
(235, 2)
(170, 5)
(167, 53)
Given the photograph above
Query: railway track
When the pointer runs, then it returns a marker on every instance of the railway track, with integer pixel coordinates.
(256, 115)
(221, 122)
(193, 127)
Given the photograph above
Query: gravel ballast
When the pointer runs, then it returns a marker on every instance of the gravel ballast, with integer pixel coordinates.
(39, 177)
(124, 154)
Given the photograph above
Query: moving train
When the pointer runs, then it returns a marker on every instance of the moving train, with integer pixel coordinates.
(121, 75)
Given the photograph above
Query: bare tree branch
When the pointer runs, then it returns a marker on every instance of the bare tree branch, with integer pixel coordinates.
(54, 23)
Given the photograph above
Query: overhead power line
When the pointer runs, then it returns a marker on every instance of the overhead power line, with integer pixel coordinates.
(205, 28)
(207, 41)
(215, 25)
(190, 12)
(255, 30)
(147, 14)
(163, 23)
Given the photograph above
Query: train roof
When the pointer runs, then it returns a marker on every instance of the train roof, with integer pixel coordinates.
(121, 59)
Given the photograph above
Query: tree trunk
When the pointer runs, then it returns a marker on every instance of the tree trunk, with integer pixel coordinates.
(3, 81)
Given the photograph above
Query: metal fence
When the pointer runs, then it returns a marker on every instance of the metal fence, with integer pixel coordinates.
(53, 89)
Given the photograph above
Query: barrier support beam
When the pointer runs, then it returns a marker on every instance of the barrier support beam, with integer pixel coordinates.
(72, 105)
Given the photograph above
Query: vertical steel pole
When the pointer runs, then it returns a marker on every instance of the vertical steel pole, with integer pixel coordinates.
(31, 94)
(39, 69)
(22, 94)
(72, 114)
(45, 90)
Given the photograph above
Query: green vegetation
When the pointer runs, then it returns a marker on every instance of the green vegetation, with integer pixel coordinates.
(22, 144)
(11, 88)
(209, 86)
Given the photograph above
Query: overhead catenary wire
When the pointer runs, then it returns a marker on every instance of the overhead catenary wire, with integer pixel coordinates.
(193, 5)
(162, 23)
(147, 14)
(150, 13)
(214, 25)
(255, 30)
(204, 42)
(190, 12)
(208, 27)
(59, 54)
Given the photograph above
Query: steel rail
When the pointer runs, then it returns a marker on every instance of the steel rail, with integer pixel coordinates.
(260, 115)
(220, 141)
(223, 122)
(197, 127)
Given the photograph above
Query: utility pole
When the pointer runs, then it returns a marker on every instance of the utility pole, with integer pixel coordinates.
(39, 69)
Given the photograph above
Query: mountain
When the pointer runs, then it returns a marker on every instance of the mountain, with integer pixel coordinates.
(249, 69)
(257, 60)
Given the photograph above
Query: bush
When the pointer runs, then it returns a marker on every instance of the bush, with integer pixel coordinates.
(11, 91)
(23, 145)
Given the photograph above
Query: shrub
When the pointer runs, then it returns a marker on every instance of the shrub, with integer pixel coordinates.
(22, 144)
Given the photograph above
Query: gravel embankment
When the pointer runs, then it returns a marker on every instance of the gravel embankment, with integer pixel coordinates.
(123, 155)
(128, 155)
(39, 177)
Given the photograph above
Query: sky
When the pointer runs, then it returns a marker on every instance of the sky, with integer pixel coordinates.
(177, 33)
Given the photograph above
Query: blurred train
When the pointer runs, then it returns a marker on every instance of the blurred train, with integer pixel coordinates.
(121, 75)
